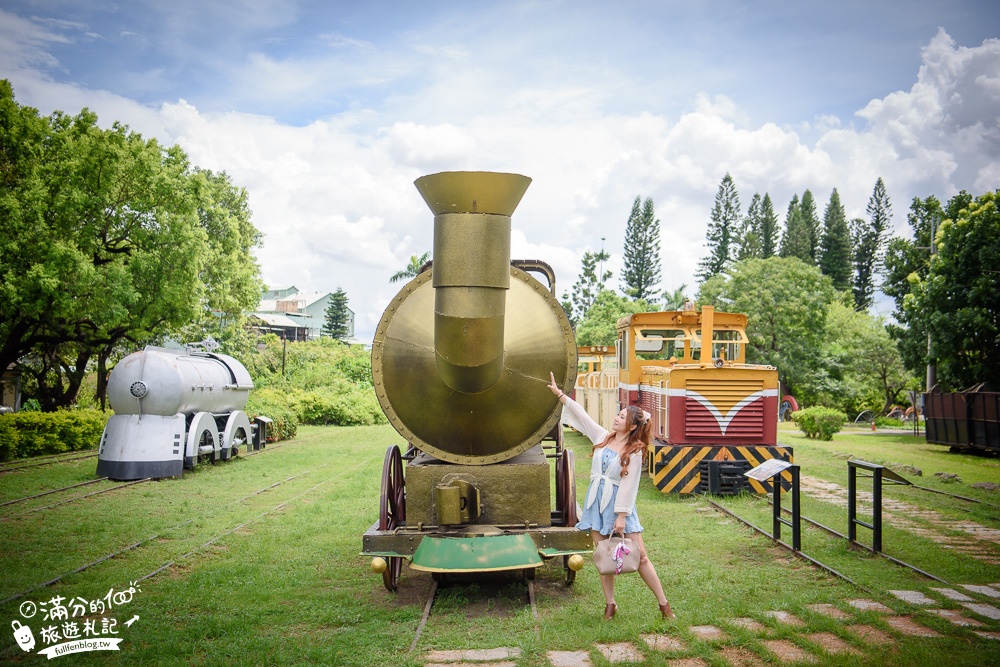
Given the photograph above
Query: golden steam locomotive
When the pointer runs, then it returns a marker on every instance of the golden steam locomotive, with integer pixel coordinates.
(461, 362)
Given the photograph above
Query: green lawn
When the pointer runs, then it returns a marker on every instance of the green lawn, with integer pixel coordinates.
(290, 588)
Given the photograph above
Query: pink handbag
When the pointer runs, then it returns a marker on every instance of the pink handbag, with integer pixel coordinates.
(619, 556)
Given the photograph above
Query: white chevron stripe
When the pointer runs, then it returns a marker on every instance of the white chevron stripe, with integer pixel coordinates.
(725, 420)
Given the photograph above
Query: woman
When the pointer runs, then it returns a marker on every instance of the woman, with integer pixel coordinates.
(614, 484)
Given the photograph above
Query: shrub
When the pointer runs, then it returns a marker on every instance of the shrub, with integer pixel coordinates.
(819, 422)
(340, 404)
(24, 434)
(278, 405)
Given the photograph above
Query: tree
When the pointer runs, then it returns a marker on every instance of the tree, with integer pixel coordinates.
(599, 327)
(785, 301)
(769, 232)
(722, 229)
(835, 247)
(587, 286)
(676, 299)
(959, 301)
(337, 324)
(412, 270)
(907, 261)
(796, 241)
(807, 209)
(641, 269)
(105, 240)
(748, 238)
(869, 245)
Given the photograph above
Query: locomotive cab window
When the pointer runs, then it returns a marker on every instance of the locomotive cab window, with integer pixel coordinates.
(660, 344)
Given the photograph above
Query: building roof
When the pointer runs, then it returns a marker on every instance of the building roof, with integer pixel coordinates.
(278, 320)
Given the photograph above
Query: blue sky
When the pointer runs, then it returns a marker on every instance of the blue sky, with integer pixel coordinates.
(327, 111)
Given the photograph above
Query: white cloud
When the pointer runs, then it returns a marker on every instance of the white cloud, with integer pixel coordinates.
(334, 196)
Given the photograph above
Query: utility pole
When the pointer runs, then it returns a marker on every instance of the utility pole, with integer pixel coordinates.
(931, 367)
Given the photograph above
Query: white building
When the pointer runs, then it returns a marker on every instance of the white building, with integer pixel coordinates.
(296, 315)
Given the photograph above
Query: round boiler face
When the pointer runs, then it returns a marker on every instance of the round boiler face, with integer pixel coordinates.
(473, 428)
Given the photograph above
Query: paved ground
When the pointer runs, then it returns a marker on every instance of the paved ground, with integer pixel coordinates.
(979, 614)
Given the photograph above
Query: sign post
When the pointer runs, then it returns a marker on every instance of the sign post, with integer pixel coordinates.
(772, 468)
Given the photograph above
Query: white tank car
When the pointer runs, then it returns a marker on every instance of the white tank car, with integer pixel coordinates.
(172, 407)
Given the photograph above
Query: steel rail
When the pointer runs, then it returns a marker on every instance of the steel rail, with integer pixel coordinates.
(424, 616)
(955, 495)
(74, 499)
(867, 548)
(218, 537)
(43, 457)
(47, 463)
(138, 544)
(46, 493)
(800, 554)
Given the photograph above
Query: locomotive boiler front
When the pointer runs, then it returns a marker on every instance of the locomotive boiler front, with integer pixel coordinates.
(461, 362)
(462, 355)
(172, 407)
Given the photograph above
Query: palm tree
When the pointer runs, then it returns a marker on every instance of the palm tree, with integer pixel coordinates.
(674, 300)
(412, 269)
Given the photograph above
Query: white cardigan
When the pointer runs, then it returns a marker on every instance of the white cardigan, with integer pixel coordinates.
(628, 487)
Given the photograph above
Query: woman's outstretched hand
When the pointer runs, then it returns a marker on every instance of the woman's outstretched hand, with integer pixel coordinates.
(553, 386)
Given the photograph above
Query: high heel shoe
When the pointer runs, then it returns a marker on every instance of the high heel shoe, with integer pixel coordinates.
(667, 611)
(610, 611)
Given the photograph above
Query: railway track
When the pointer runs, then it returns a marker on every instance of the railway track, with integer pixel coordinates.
(165, 531)
(62, 489)
(51, 459)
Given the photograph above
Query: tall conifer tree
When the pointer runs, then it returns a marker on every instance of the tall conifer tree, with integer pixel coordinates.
(641, 268)
(721, 230)
(749, 238)
(768, 228)
(869, 245)
(795, 241)
(337, 324)
(835, 249)
(807, 206)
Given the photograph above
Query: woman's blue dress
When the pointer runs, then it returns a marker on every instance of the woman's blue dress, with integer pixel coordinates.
(593, 518)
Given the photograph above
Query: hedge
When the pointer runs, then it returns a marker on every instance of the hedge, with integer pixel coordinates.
(24, 434)
(819, 422)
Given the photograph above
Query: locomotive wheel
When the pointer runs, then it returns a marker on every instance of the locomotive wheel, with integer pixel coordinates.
(392, 509)
(566, 487)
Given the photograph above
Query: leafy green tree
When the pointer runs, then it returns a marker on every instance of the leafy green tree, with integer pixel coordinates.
(412, 270)
(641, 266)
(599, 327)
(587, 286)
(959, 301)
(869, 245)
(721, 234)
(907, 261)
(748, 237)
(785, 301)
(105, 241)
(337, 322)
(769, 232)
(797, 240)
(835, 248)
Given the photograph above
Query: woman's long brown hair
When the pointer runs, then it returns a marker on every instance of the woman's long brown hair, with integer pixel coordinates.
(640, 433)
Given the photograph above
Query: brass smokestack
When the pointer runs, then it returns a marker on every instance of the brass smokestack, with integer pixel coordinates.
(471, 271)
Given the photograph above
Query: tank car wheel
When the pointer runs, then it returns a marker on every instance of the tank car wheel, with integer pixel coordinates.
(392, 509)
(566, 487)
(568, 571)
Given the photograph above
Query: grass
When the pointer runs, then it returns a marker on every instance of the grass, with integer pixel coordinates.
(290, 588)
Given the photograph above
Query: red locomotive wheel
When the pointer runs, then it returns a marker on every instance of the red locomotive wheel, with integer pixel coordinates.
(392, 509)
